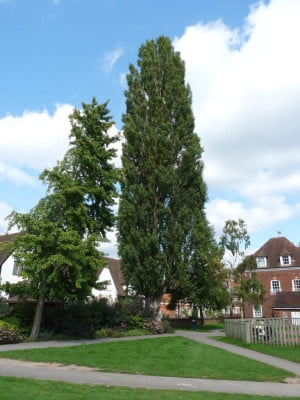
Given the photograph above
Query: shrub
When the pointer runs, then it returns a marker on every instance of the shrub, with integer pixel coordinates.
(4, 308)
(108, 332)
(9, 334)
(136, 322)
(78, 319)
(167, 327)
(155, 327)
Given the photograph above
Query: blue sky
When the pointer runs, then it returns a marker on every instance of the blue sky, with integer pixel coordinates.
(242, 62)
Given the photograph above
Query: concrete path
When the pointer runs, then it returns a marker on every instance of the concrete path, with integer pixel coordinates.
(92, 376)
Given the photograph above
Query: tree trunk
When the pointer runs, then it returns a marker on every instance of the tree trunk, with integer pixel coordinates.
(153, 303)
(37, 318)
(201, 317)
(242, 310)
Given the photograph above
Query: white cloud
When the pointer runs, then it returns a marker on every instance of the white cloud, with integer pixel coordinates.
(5, 210)
(111, 58)
(35, 139)
(15, 175)
(246, 100)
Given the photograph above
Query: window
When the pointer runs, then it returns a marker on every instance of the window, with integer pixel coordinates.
(261, 262)
(275, 286)
(285, 259)
(257, 311)
(16, 269)
(296, 285)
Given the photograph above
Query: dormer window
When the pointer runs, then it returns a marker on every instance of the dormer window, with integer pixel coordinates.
(261, 262)
(285, 259)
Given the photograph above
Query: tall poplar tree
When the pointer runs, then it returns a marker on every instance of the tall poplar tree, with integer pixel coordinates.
(163, 193)
(58, 248)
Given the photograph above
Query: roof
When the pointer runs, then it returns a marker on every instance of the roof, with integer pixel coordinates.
(114, 266)
(4, 254)
(287, 300)
(276, 247)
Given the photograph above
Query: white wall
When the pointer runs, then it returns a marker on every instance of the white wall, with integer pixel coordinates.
(110, 292)
(7, 271)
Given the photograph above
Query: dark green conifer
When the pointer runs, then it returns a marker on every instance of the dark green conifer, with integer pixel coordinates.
(163, 194)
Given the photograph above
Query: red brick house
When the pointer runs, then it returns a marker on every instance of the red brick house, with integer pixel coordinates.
(278, 268)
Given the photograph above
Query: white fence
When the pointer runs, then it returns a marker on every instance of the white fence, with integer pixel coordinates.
(269, 331)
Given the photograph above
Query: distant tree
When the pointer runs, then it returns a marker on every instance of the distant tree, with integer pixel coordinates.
(58, 249)
(250, 289)
(234, 241)
(163, 193)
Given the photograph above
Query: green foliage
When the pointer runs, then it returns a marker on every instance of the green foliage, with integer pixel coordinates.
(58, 248)
(4, 308)
(21, 317)
(78, 319)
(163, 194)
(9, 333)
(167, 327)
(251, 290)
(136, 322)
(235, 239)
(108, 333)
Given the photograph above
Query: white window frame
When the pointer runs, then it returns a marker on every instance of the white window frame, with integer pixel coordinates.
(285, 259)
(296, 285)
(257, 311)
(16, 269)
(273, 289)
(261, 262)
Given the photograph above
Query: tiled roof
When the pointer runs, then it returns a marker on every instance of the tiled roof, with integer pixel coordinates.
(114, 266)
(290, 300)
(276, 247)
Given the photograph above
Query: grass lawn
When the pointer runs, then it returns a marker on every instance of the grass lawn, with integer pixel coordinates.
(209, 327)
(28, 389)
(287, 353)
(164, 356)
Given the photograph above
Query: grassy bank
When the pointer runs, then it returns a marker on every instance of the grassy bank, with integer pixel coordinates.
(164, 356)
(286, 353)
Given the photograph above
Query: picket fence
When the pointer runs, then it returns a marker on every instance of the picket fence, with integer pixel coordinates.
(269, 331)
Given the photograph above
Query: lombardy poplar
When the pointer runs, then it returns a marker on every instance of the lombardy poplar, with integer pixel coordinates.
(162, 193)
(58, 248)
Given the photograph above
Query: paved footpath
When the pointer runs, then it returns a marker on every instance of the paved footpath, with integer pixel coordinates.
(92, 376)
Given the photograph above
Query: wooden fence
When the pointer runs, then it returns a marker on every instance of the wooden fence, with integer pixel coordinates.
(269, 331)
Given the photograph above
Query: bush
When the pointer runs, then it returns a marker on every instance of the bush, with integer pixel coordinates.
(4, 308)
(155, 327)
(21, 317)
(108, 333)
(78, 319)
(167, 327)
(9, 334)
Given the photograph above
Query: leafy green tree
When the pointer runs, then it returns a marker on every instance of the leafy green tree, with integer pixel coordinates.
(250, 289)
(58, 248)
(205, 287)
(235, 240)
(162, 193)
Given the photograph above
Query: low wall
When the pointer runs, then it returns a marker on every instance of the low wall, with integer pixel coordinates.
(181, 323)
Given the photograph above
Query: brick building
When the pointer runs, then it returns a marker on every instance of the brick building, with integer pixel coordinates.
(278, 268)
